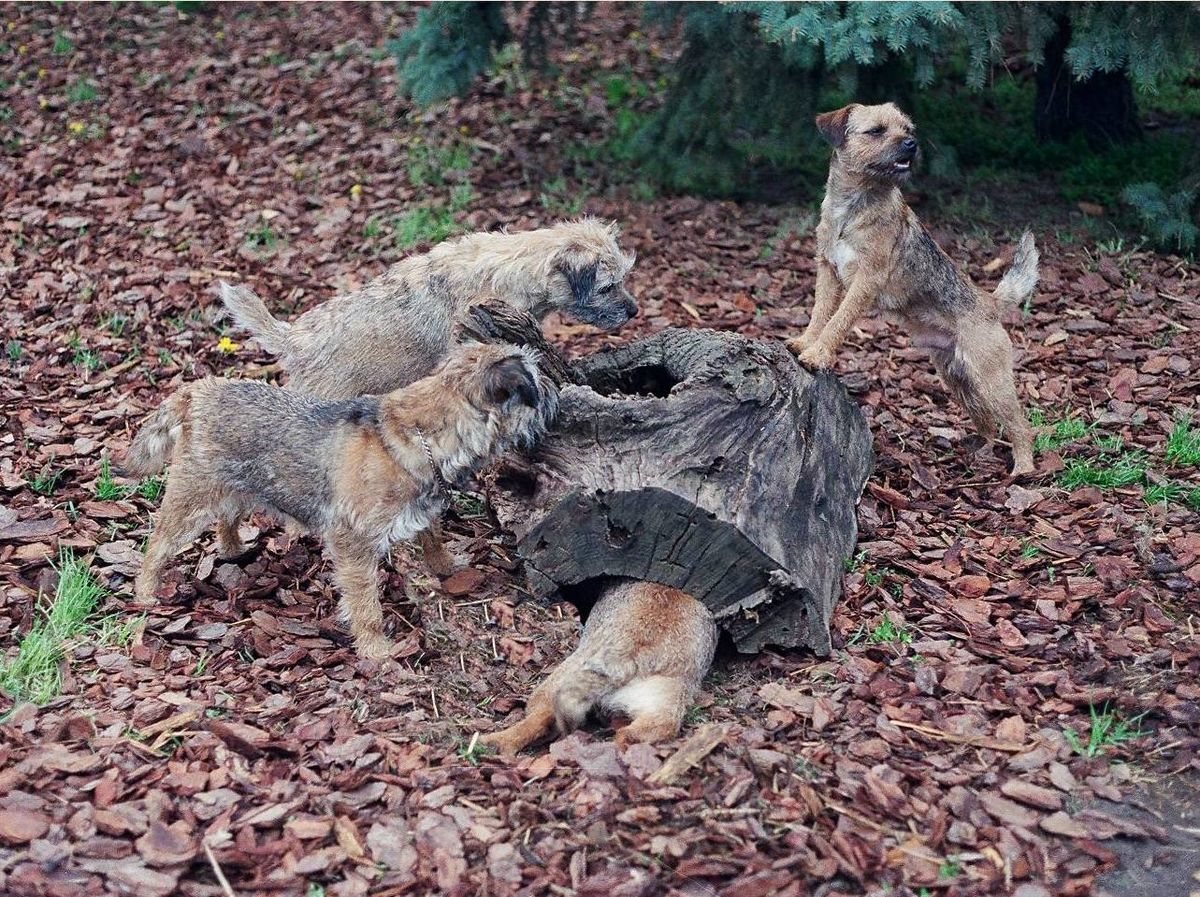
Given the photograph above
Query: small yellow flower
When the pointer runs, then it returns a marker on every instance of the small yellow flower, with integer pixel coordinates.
(356, 191)
(22, 50)
(463, 129)
(226, 345)
(43, 102)
(76, 127)
(220, 35)
(12, 26)
(42, 72)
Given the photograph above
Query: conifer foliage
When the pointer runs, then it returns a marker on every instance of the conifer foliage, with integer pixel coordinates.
(450, 45)
(736, 114)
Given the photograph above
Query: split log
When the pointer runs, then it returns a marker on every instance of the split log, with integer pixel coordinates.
(706, 461)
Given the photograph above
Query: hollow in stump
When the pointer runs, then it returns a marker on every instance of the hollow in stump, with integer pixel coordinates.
(706, 461)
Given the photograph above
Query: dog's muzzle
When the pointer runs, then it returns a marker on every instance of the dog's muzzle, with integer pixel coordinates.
(905, 156)
(612, 311)
(631, 306)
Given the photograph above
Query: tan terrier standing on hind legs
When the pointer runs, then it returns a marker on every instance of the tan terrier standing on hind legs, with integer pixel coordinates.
(363, 473)
(643, 653)
(872, 250)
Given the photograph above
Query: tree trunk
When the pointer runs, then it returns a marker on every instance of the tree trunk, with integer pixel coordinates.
(1101, 107)
(706, 461)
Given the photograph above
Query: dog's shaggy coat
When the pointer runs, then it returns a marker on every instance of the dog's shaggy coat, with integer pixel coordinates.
(363, 473)
(397, 327)
(872, 250)
(643, 653)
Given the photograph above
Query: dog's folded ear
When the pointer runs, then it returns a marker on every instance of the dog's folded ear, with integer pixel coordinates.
(511, 377)
(832, 125)
(581, 279)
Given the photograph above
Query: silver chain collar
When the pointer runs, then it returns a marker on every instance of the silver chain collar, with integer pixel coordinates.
(437, 471)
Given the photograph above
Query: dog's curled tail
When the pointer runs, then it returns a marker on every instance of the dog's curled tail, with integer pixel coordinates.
(1022, 276)
(250, 312)
(152, 447)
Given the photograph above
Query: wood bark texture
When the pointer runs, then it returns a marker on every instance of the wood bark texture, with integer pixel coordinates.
(706, 461)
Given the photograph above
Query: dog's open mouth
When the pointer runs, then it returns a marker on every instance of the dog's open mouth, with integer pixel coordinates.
(902, 164)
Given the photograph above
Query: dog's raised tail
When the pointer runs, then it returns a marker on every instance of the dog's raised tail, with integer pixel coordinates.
(1022, 276)
(250, 312)
(152, 447)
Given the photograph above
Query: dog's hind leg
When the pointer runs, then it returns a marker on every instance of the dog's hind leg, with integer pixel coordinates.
(181, 519)
(229, 543)
(537, 722)
(979, 375)
(657, 705)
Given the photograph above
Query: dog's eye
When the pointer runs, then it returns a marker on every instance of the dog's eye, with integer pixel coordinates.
(877, 131)
(607, 289)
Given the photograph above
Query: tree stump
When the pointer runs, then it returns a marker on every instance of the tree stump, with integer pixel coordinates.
(705, 461)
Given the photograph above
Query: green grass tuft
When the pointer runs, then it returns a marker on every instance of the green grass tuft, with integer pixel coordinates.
(430, 166)
(1055, 436)
(106, 489)
(1106, 730)
(474, 750)
(81, 90)
(422, 225)
(1124, 470)
(151, 488)
(262, 238)
(46, 481)
(35, 674)
(951, 868)
(1183, 443)
(889, 633)
(1173, 492)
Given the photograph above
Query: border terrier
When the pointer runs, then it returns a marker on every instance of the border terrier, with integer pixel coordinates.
(643, 653)
(872, 250)
(397, 327)
(363, 473)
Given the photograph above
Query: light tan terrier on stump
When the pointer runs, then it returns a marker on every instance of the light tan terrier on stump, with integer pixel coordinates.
(397, 327)
(873, 251)
(363, 473)
(643, 653)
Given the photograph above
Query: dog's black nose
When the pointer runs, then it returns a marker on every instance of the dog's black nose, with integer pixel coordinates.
(910, 145)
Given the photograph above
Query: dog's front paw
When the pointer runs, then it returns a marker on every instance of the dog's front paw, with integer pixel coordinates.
(374, 647)
(228, 551)
(797, 344)
(1022, 467)
(145, 591)
(817, 358)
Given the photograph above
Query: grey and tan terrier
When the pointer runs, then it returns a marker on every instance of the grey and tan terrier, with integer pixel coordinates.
(642, 656)
(362, 473)
(397, 327)
(873, 251)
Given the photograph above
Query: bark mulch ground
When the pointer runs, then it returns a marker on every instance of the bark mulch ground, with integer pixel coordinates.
(147, 154)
